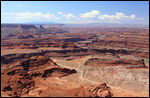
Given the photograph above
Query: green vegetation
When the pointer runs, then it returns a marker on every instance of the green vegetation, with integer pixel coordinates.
(146, 60)
(101, 36)
(74, 42)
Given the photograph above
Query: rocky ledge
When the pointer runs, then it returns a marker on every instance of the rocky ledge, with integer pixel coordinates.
(18, 80)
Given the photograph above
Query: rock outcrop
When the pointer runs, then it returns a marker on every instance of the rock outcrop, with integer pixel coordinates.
(128, 62)
(22, 26)
(100, 90)
(67, 45)
(25, 36)
(18, 80)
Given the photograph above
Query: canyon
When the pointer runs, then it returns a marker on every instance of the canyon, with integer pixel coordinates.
(74, 61)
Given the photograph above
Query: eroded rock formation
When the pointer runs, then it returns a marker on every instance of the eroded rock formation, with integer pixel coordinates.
(22, 26)
(100, 90)
(128, 62)
(18, 80)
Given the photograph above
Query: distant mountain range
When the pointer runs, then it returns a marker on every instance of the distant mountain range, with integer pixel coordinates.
(50, 22)
(41, 22)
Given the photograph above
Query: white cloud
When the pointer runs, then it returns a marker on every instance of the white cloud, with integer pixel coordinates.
(118, 16)
(140, 18)
(50, 16)
(89, 17)
(69, 16)
(37, 15)
(132, 16)
(92, 14)
(28, 16)
(59, 13)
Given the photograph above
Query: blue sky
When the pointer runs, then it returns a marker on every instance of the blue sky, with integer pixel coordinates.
(136, 12)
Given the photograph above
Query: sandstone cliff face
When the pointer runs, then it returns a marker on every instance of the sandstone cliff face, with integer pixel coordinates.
(100, 90)
(74, 52)
(41, 27)
(11, 35)
(27, 26)
(131, 62)
(18, 26)
(9, 25)
(18, 80)
(25, 36)
(67, 45)
(117, 76)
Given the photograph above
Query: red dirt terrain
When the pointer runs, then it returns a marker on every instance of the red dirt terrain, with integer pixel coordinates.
(19, 80)
(74, 61)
